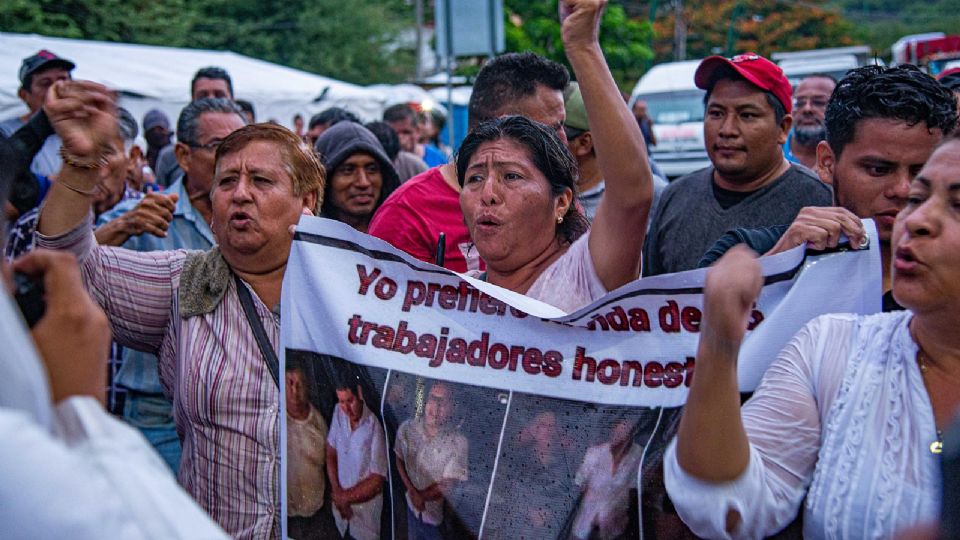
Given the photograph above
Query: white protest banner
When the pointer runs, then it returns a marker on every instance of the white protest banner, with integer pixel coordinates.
(448, 366)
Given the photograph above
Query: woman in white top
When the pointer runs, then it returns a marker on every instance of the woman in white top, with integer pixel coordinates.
(518, 184)
(850, 415)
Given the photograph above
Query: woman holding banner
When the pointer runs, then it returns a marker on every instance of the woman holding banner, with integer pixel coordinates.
(850, 416)
(208, 316)
(518, 185)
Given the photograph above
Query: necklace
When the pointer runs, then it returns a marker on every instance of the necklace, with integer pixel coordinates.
(936, 447)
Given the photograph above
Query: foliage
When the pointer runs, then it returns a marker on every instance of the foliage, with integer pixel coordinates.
(356, 44)
(534, 26)
(140, 21)
(366, 41)
(760, 26)
(882, 22)
(358, 41)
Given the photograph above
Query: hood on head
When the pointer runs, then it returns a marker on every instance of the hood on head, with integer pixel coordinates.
(344, 139)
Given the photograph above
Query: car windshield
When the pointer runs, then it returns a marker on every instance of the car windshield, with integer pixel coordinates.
(675, 107)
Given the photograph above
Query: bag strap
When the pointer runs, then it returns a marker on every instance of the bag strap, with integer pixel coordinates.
(266, 349)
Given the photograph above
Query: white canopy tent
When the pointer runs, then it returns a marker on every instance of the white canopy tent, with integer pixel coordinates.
(150, 77)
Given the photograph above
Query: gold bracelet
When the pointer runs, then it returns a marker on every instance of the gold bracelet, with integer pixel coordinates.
(84, 162)
(90, 193)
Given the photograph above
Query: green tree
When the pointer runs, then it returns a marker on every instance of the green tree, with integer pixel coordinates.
(881, 22)
(761, 26)
(535, 26)
(138, 21)
(360, 41)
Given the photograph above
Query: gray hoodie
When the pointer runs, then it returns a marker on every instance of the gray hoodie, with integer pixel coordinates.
(344, 139)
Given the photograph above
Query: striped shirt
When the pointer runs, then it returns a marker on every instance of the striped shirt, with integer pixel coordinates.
(187, 230)
(226, 404)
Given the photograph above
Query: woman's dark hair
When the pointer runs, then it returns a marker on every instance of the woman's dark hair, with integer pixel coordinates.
(550, 156)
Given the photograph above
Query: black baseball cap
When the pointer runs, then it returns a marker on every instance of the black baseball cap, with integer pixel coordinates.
(41, 60)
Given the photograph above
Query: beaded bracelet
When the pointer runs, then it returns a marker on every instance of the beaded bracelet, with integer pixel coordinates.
(84, 162)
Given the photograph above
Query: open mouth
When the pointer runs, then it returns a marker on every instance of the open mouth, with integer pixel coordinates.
(906, 261)
(487, 222)
(240, 219)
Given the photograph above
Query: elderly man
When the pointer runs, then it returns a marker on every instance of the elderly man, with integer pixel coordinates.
(37, 73)
(431, 458)
(201, 313)
(113, 190)
(208, 82)
(809, 107)
(178, 218)
(749, 184)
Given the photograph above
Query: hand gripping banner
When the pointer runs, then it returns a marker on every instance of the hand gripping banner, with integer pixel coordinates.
(421, 403)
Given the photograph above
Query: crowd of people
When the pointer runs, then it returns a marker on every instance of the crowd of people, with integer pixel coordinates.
(179, 251)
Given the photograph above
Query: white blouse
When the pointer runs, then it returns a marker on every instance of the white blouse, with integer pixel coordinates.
(842, 418)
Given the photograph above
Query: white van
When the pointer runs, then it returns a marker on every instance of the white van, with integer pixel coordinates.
(676, 106)
(836, 62)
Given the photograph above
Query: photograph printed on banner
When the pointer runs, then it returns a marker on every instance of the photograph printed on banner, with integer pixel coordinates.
(451, 409)
(425, 442)
(443, 445)
(337, 457)
(569, 469)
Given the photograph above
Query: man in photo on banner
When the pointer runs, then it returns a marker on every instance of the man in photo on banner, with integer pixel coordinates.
(356, 464)
(306, 447)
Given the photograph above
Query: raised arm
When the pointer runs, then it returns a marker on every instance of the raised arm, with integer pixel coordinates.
(619, 227)
(742, 473)
(84, 115)
(711, 442)
(135, 289)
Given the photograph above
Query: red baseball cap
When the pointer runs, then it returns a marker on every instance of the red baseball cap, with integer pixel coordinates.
(756, 69)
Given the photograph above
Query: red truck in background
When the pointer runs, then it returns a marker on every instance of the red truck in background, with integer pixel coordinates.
(934, 52)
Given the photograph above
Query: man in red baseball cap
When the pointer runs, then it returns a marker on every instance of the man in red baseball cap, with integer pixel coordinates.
(747, 120)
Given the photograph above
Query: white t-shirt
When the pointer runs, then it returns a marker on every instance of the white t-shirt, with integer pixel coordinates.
(306, 453)
(74, 471)
(360, 453)
(428, 461)
(571, 282)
